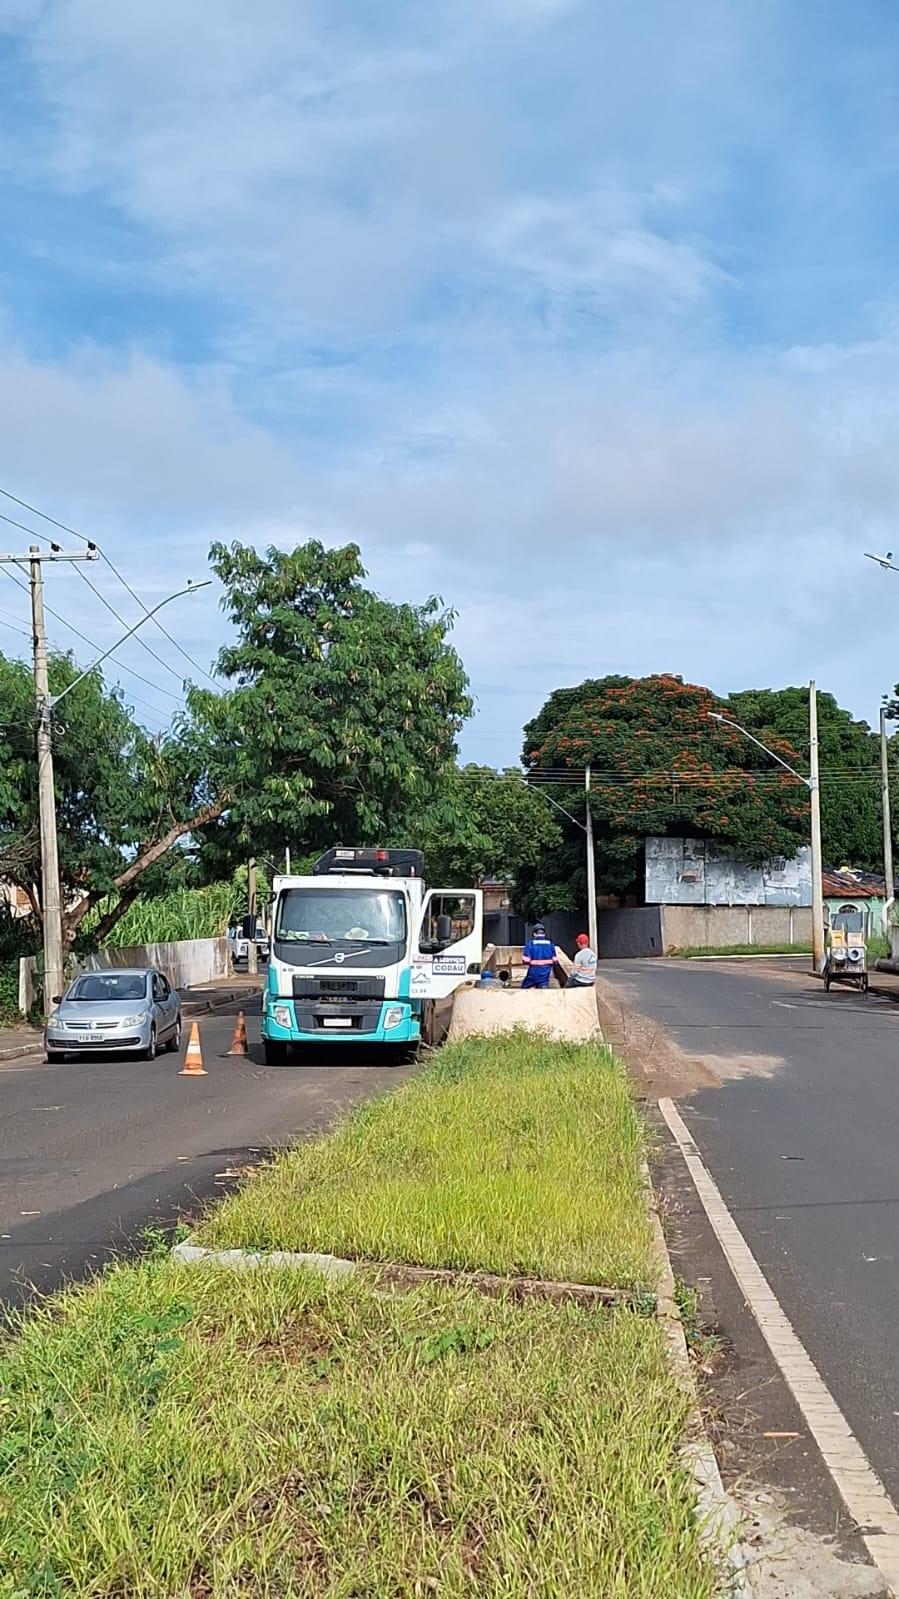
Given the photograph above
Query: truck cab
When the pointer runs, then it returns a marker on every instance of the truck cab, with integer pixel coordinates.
(362, 951)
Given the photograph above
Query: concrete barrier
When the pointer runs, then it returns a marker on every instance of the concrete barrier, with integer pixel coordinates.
(187, 963)
(563, 1013)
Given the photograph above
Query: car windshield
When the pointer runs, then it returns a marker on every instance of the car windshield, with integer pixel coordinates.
(328, 915)
(99, 986)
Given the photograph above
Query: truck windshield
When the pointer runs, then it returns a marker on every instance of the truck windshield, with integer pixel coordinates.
(327, 916)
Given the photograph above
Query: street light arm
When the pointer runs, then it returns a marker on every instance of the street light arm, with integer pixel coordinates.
(717, 717)
(192, 588)
(535, 789)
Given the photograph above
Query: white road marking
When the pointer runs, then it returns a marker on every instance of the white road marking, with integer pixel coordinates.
(861, 1489)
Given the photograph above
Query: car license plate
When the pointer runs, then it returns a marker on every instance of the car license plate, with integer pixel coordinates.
(85, 1038)
(337, 1021)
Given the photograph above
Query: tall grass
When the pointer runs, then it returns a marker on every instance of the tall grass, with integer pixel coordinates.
(182, 914)
(187, 1432)
(513, 1154)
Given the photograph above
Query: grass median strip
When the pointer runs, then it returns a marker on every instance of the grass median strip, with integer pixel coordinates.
(512, 1155)
(184, 1432)
(176, 1432)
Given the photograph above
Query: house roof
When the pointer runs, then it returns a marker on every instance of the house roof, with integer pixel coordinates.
(851, 885)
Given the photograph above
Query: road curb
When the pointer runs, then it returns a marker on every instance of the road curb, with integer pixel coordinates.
(24, 1049)
(721, 1518)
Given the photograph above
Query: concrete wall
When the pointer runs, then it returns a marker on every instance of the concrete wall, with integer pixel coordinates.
(185, 964)
(630, 933)
(695, 871)
(695, 926)
(503, 927)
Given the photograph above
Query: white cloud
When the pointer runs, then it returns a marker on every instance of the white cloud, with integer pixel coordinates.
(490, 301)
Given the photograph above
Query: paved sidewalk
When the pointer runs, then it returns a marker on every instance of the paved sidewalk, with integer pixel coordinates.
(884, 983)
(24, 1040)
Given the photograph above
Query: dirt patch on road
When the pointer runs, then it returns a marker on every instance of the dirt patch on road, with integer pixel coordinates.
(658, 1065)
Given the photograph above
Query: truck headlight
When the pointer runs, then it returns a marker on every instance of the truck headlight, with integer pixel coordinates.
(839, 954)
(855, 954)
(393, 1016)
(283, 1017)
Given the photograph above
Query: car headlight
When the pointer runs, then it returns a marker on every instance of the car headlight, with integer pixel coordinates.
(393, 1016)
(54, 1020)
(283, 1017)
(137, 1020)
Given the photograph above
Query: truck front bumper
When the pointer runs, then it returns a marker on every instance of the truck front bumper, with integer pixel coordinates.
(389, 1021)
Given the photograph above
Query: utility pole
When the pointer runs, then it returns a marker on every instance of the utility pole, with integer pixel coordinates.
(51, 905)
(814, 788)
(252, 948)
(889, 889)
(591, 871)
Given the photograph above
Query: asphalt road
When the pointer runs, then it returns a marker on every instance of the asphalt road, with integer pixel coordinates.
(801, 1134)
(91, 1152)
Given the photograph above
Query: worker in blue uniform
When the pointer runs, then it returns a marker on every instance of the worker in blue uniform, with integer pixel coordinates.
(539, 957)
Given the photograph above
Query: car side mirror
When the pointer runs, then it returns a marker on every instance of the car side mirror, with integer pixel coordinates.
(56, 1000)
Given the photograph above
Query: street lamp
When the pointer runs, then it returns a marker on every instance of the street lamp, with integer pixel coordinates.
(814, 788)
(192, 588)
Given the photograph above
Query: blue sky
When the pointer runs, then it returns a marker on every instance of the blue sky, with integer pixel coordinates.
(582, 313)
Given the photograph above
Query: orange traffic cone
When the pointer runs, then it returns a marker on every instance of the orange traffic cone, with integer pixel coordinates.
(193, 1060)
(239, 1041)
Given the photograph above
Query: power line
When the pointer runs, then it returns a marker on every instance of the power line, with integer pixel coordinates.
(33, 533)
(120, 618)
(156, 687)
(123, 580)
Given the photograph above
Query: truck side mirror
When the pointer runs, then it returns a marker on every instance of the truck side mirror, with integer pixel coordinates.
(444, 929)
(248, 927)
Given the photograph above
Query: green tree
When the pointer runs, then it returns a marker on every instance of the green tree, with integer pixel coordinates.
(97, 751)
(123, 799)
(339, 725)
(849, 760)
(661, 766)
(343, 711)
(482, 823)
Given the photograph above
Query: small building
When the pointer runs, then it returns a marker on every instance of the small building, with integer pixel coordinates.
(847, 889)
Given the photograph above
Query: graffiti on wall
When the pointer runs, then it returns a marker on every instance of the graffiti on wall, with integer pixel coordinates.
(695, 871)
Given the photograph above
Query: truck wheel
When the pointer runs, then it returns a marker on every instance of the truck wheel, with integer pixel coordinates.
(827, 982)
(865, 983)
(275, 1053)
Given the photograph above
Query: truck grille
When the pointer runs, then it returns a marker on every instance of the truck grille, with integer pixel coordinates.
(339, 989)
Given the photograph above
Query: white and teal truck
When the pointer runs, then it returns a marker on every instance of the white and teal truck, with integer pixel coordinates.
(364, 953)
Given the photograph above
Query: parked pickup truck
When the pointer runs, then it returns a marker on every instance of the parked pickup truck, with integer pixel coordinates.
(239, 945)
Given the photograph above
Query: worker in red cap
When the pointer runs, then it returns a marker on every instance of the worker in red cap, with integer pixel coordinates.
(583, 972)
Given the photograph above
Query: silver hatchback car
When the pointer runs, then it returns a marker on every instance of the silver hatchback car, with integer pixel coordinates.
(135, 1011)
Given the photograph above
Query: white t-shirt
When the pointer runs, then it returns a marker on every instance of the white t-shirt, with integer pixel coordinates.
(584, 974)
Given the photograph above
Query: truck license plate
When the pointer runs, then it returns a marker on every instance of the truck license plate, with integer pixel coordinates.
(337, 1021)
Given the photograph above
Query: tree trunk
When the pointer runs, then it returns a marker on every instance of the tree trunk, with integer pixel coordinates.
(155, 852)
(129, 877)
(113, 917)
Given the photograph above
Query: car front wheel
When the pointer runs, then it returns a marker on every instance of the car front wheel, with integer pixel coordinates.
(54, 1057)
(150, 1051)
(174, 1043)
